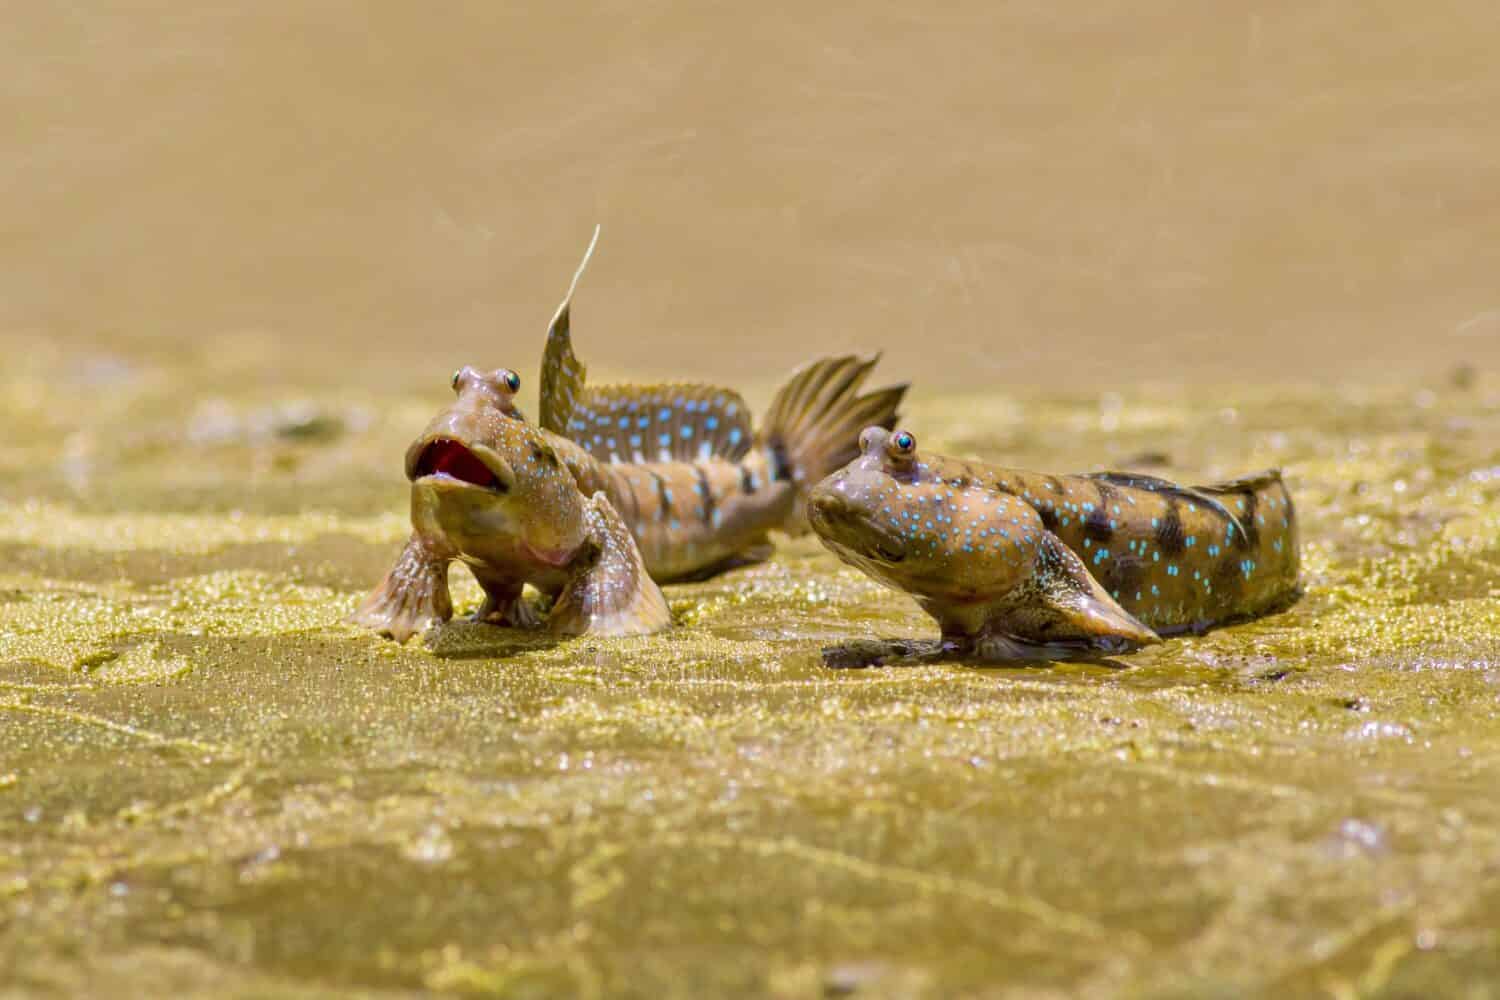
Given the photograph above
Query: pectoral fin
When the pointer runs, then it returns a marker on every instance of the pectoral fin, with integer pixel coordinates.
(1065, 605)
(413, 595)
(610, 592)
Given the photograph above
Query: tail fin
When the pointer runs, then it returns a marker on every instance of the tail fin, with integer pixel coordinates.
(813, 425)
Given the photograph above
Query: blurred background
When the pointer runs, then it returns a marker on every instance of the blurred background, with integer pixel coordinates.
(994, 193)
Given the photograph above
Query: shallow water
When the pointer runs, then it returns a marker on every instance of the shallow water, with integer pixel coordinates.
(206, 773)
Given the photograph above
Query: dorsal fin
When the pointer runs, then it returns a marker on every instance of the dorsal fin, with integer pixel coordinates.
(661, 423)
(1247, 483)
(635, 423)
(563, 374)
(1155, 484)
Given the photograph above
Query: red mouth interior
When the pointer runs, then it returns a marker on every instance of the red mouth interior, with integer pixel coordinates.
(449, 458)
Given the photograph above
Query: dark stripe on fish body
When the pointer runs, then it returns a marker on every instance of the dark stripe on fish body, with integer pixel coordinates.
(1123, 576)
(1097, 524)
(663, 493)
(781, 465)
(705, 490)
(1048, 516)
(629, 505)
(747, 480)
(1229, 578)
(1247, 520)
(1169, 529)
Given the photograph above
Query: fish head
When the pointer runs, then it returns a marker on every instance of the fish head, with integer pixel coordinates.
(491, 483)
(893, 514)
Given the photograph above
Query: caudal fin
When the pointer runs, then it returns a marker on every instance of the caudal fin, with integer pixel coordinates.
(813, 425)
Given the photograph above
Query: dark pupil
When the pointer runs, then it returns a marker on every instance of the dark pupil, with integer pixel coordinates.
(903, 442)
(514, 381)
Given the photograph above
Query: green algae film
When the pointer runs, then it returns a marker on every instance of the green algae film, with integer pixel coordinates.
(207, 778)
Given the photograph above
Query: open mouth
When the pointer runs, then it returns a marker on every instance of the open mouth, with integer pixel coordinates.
(446, 457)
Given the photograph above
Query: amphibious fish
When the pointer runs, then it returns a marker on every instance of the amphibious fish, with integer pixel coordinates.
(1019, 564)
(615, 489)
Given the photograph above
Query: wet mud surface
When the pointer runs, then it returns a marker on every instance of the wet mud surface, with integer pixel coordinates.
(207, 778)
(245, 244)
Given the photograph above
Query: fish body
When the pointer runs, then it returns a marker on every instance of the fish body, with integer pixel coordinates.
(691, 517)
(616, 489)
(1105, 561)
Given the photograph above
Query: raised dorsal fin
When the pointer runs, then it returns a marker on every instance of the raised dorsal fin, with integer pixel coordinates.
(634, 423)
(661, 423)
(1192, 494)
(562, 373)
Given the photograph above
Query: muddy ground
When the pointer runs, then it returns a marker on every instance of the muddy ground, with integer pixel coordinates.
(209, 779)
(243, 246)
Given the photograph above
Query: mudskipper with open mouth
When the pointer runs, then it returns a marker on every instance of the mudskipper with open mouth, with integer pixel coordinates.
(617, 488)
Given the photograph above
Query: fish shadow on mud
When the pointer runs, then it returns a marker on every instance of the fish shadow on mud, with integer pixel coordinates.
(467, 640)
(863, 654)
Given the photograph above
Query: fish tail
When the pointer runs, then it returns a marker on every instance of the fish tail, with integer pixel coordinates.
(1264, 545)
(813, 424)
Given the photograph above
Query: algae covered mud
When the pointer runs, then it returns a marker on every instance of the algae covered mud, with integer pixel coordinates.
(207, 778)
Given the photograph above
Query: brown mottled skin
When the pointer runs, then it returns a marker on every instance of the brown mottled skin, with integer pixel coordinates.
(1009, 561)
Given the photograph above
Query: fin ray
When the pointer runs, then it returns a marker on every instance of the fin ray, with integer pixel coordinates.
(816, 418)
(1068, 606)
(562, 373)
(611, 594)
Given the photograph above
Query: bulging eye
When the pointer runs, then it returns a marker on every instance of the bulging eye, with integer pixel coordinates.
(512, 380)
(903, 444)
(458, 373)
